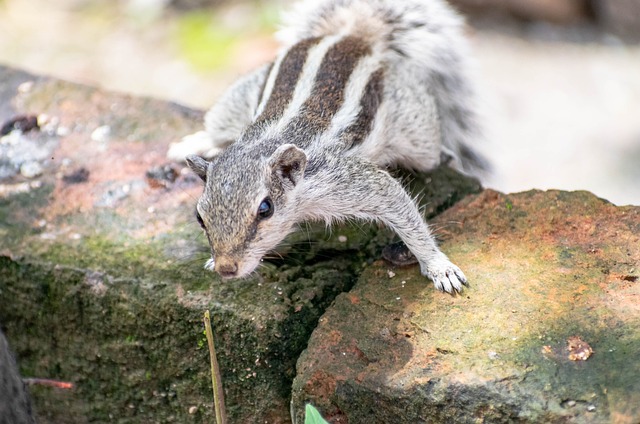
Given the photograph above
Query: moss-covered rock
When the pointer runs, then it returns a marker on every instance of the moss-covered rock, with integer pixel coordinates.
(544, 268)
(101, 278)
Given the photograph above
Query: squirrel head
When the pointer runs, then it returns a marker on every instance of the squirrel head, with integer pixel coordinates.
(248, 205)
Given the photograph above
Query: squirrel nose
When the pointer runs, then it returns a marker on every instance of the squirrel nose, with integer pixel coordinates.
(226, 268)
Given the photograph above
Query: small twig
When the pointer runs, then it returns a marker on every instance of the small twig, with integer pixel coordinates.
(216, 378)
(47, 382)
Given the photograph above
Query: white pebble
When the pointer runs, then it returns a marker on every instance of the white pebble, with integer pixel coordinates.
(62, 131)
(101, 134)
(31, 169)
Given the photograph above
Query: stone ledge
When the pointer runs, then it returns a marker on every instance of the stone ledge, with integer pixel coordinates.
(544, 267)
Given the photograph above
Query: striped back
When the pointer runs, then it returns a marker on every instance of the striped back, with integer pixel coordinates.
(320, 87)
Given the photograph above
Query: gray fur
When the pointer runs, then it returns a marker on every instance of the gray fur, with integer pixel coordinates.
(424, 45)
(319, 160)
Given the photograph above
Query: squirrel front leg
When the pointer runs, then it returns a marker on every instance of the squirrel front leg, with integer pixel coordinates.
(351, 188)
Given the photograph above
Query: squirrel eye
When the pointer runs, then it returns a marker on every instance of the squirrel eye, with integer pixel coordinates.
(199, 219)
(265, 210)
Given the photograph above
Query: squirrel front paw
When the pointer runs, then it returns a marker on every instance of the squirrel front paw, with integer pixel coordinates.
(445, 275)
(199, 143)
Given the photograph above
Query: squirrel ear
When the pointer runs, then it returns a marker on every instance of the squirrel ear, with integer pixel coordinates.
(288, 162)
(198, 165)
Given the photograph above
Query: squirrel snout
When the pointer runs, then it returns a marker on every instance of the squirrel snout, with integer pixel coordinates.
(226, 268)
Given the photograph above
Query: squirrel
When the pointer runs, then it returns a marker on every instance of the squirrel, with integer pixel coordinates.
(359, 86)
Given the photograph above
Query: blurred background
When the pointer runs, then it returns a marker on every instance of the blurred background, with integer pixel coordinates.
(560, 79)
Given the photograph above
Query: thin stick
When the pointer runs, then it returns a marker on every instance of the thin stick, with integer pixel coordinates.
(47, 382)
(216, 378)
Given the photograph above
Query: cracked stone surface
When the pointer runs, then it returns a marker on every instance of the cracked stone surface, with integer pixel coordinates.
(544, 268)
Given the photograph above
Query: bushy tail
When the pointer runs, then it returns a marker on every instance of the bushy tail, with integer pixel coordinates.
(423, 34)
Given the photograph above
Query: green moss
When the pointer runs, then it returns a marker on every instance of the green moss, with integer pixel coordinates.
(115, 324)
(20, 213)
(130, 350)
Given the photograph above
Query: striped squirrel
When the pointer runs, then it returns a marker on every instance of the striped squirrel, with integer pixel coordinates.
(359, 86)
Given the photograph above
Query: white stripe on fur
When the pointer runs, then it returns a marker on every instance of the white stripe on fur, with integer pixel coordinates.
(305, 84)
(354, 91)
(268, 87)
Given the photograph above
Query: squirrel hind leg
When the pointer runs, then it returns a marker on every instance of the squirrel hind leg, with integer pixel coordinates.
(399, 254)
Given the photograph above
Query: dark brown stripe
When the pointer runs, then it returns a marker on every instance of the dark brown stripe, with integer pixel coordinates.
(286, 80)
(371, 99)
(327, 95)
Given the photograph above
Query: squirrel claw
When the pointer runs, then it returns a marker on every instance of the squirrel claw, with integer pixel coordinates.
(446, 276)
